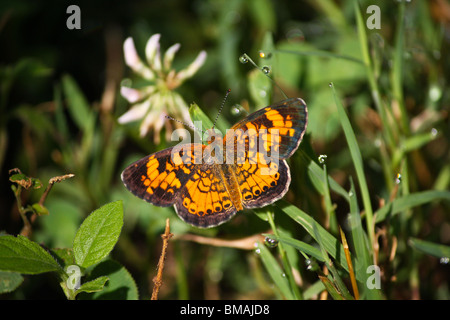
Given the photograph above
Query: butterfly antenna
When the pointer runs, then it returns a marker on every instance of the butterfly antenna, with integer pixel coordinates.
(221, 107)
(185, 124)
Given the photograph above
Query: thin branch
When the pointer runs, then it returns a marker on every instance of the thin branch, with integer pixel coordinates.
(51, 182)
(247, 243)
(158, 279)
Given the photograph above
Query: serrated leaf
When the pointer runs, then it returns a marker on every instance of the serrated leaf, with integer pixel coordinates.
(98, 234)
(93, 286)
(18, 254)
(120, 286)
(64, 256)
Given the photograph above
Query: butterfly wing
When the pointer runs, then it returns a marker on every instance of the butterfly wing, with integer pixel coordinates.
(279, 128)
(159, 177)
(262, 141)
(205, 201)
(262, 184)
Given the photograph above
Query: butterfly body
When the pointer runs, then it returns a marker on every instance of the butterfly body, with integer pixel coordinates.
(208, 184)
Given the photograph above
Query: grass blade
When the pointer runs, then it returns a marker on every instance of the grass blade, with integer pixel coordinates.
(434, 249)
(275, 271)
(331, 244)
(409, 201)
(358, 164)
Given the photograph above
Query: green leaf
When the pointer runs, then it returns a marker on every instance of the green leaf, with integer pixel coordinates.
(78, 106)
(64, 256)
(93, 286)
(9, 281)
(120, 286)
(200, 119)
(434, 249)
(98, 234)
(18, 254)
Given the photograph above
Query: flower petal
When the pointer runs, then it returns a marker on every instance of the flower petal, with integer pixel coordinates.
(134, 95)
(136, 112)
(131, 94)
(133, 61)
(152, 52)
(192, 68)
(169, 55)
(148, 122)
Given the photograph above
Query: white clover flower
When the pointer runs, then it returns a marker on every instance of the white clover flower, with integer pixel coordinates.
(156, 101)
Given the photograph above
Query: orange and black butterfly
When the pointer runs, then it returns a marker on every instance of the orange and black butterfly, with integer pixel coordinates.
(253, 172)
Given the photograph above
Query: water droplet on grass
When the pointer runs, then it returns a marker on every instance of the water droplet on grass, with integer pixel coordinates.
(270, 242)
(243, 58)
(322, 158)
(265, 69)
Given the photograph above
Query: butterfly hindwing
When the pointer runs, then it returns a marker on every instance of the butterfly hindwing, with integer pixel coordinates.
(262, 184)
(205, 200)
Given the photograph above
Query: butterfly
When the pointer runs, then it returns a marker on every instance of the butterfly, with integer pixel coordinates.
(208, 184)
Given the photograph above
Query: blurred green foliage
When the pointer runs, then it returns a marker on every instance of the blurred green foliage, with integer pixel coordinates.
(60, 100)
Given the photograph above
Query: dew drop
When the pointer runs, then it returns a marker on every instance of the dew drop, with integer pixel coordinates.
(434, 132)
(257, 249)
(243, 58)
(311, 264)
(398, 178)
(322, 158)
(444, 260)
(270, 242)
(265, 69)
(236, 110)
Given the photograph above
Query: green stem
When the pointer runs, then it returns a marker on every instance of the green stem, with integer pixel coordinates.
(397, 70)
(286, 265)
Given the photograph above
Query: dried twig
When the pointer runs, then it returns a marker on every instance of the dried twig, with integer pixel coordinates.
(247, 243)
(350, 265)
(51, 182)
(158, 279)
